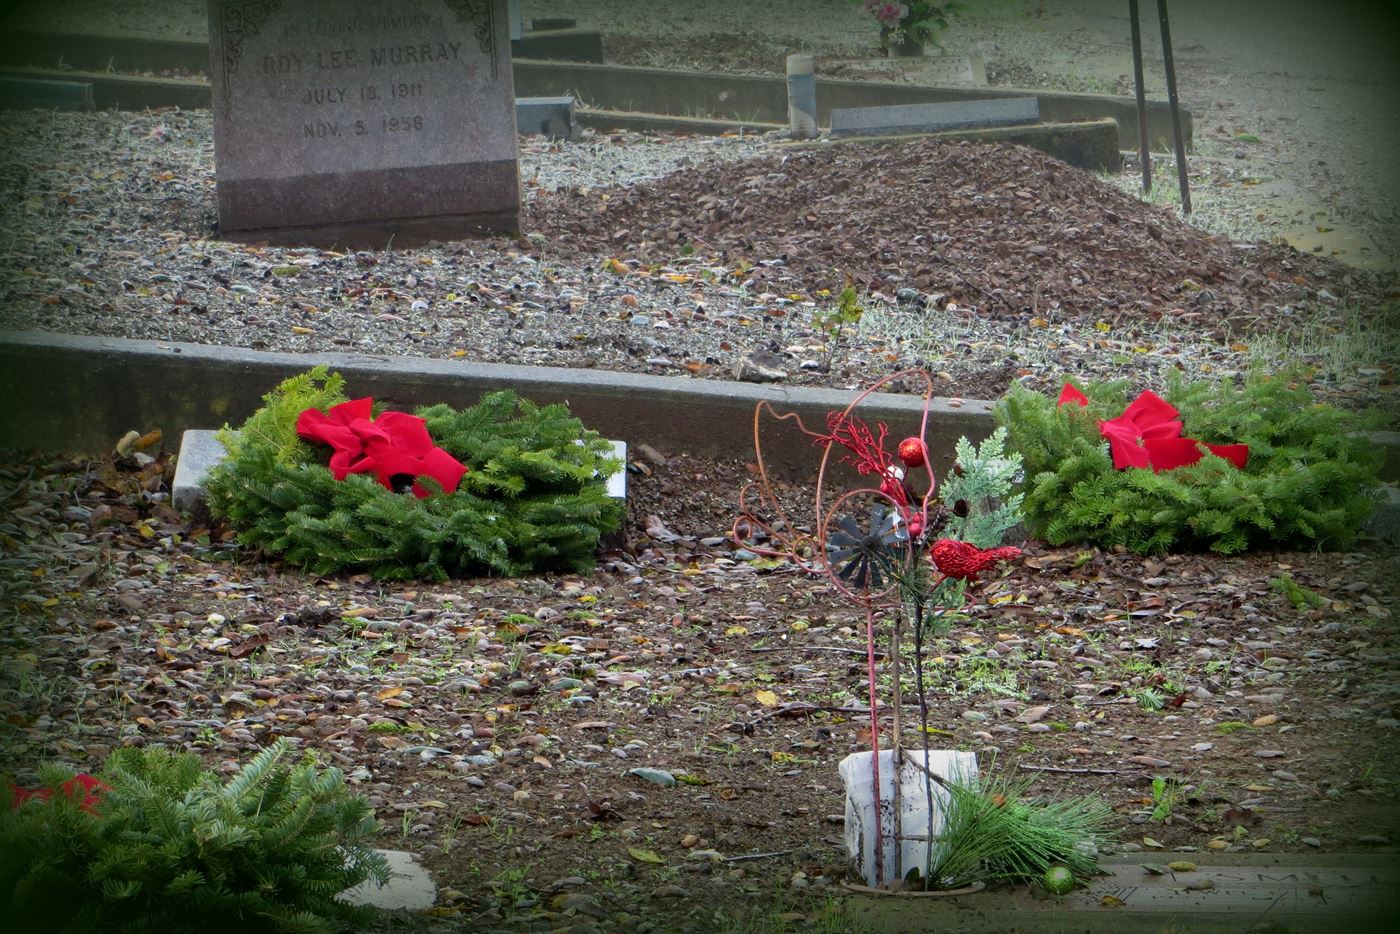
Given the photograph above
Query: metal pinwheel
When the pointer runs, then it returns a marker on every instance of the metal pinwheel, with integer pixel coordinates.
(860, 557)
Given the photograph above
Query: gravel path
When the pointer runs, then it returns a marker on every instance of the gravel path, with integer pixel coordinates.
(1297, 98)
(108, 227)
(108, 221)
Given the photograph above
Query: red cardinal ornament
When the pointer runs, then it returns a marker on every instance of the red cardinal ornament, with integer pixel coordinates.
(960, 559)
(912, 452)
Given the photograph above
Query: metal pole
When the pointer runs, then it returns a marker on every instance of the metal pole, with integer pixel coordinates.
(1144, 157)
(1177, 141)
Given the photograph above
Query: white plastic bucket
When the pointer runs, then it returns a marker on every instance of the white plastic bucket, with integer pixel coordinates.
(953, 766)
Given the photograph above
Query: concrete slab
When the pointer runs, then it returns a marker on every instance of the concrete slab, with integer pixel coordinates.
(201, 451)
(933, 117)
(410, 886)
(546, 116)
(1302, 894)
(27, 93)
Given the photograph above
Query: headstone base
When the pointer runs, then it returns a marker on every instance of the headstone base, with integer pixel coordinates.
(382, 235)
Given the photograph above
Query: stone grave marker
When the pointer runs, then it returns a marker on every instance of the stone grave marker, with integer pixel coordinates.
(934, 117)
(363, 124)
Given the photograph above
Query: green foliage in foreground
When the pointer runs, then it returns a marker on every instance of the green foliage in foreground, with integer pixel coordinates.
(173, 849)
(1309, 482)
(534, 497)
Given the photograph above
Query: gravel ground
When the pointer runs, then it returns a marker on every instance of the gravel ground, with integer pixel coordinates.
(493, 723)
(149, 268)
(108, 227)
(1290, 94)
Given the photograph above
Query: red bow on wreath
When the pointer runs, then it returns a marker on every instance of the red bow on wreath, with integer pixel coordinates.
(1148, 434)
(395, 447)
(83, 784)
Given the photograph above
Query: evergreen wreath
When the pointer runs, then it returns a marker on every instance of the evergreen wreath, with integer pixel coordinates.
(1309, 481)
(534, 496)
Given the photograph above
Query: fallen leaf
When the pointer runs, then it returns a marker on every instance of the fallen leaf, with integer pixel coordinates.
(766, 698)
(248, 646)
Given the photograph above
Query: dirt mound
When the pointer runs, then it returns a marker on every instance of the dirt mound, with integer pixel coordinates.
(1006, 229)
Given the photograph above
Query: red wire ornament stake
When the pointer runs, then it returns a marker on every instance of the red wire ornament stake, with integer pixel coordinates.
(861, 584)
(878, 567)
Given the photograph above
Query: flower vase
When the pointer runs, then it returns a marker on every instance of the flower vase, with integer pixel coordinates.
(909, 48)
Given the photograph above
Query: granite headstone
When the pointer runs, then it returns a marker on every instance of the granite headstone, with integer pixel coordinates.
(363, 122)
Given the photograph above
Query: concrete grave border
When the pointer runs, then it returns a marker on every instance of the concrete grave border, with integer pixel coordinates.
(111, 385)
(752, 100)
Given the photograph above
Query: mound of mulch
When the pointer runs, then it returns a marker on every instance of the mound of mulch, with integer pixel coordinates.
(1006, 229)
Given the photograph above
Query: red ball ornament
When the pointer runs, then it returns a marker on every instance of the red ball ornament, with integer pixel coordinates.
(912, 452)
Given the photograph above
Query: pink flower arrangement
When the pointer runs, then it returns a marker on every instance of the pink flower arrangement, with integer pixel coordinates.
(916, 21)
(889, 14)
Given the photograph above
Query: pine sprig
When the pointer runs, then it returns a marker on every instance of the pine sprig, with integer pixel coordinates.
(983, 480)
(991, 830)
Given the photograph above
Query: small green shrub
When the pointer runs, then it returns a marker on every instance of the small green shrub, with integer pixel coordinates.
(1309, 482)
(534, 497)
(171, 848)
(1295, 593)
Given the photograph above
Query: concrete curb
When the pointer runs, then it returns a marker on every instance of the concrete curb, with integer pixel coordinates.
(79, 394)
(756, 99)
(763, 98)
(140, 53)
(108, 386)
